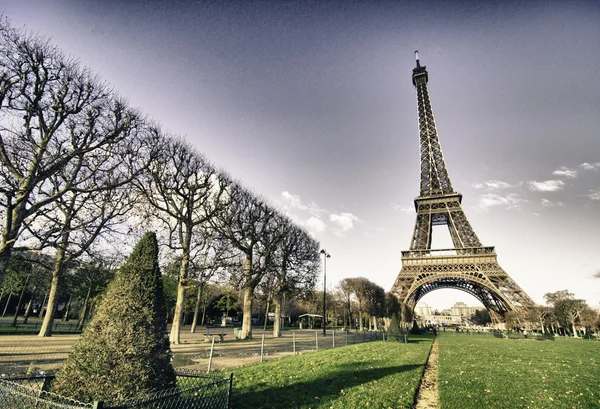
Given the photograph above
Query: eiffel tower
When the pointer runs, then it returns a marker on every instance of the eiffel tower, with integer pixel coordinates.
(469, 266)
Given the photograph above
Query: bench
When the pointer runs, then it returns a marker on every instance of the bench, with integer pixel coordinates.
(209, 336)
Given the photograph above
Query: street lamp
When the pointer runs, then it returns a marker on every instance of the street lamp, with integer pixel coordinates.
(325, 257)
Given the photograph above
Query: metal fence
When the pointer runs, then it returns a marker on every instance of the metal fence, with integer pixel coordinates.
(194, 390)
(217, 355)
(26, 354)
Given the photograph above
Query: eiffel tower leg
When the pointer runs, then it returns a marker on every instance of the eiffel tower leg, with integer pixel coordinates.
(422, 233)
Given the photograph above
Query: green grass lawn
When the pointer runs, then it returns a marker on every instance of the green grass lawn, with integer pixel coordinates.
(479, 371)
(369, 375)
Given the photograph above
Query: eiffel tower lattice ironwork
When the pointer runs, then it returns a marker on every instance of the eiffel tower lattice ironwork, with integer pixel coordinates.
(468, 266)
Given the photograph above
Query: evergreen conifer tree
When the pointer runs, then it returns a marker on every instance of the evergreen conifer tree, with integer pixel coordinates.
(395, 332)
(124, 351)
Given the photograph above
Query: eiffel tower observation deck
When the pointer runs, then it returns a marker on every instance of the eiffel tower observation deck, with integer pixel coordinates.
(468, 266)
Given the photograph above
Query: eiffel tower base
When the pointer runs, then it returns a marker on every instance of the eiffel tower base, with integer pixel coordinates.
(473, 270)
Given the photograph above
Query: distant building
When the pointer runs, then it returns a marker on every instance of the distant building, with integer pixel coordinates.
(459, 314)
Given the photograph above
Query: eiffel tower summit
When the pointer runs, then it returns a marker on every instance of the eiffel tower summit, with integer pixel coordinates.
(468, 266)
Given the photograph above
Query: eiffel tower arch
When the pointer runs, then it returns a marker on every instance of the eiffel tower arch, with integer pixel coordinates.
(468, 266)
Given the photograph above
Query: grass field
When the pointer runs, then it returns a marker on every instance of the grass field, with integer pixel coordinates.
(370, 375)
(480, 371)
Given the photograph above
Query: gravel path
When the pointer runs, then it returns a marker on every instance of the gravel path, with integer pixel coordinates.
(427, 396)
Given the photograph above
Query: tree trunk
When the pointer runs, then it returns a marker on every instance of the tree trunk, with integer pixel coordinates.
(197, 308)
(41, 313)
(277, 300)
(575, 335)
(57, 272)
(267, 314)
(247, 318)
(183, 274)
(203, 314)
(67, 310)
(360, 320)
(84, 309)
(14, 321)
(7, 302)
(15, 214)
(28, 309)
(542, 325)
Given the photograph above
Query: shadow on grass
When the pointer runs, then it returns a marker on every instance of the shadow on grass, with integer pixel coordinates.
(304, 393)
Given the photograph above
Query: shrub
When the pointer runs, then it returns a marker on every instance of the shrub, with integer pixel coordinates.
(124, 352)
(396, 332)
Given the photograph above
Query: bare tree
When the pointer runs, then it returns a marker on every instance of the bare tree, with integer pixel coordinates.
(297, 263)
(98, 199)
(211, 260)
(183, 191)
(45, 99)
(248, 223)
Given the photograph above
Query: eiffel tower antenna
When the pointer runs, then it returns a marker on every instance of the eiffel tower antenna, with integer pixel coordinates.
(468, 266)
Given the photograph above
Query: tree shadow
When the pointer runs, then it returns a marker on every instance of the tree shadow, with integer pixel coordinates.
(305, 393)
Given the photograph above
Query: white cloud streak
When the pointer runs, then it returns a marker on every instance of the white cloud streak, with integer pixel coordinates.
(492, 185)
(509, 201)
(297, 203)
(549, 203)
(404, 209)
(565, 172)
(345, 221)
(546, 186)
(315, 224)
(590, 166)
(594, 194)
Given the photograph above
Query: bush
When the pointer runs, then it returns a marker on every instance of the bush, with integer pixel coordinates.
(124, 352)
(396, 332)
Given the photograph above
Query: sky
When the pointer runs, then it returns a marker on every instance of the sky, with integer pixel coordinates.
(311, 105)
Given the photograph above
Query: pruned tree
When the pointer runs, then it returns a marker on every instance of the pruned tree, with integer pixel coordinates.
(212, 259)
(296, 266)
(539, 314)
(247, 222)
(47, 102)
(568, 312)
(99, 198)
(183, 191)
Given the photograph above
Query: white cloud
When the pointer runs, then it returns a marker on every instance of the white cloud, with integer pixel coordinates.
(549, 203)
(404, 209)
(546, 186)
(293, 200)
(345, 221)
(297, 203)
(590, 166)
(566, 172)
(492, 185)
(594, 194)
(315, 224)
(488, 200)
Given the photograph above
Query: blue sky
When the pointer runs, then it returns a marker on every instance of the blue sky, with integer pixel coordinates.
(311, 105)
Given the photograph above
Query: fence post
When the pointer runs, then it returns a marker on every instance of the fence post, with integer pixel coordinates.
(262, 347)
(317, 339)
(294, 342)
(98, 405)
(229, 392)
(334, 338)
(346, 337)
(212, 348)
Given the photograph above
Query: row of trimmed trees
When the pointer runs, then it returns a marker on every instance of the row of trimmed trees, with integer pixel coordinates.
(82, 173)
(563, 314)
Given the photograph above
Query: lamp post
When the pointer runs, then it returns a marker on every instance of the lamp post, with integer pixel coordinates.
(325, 257)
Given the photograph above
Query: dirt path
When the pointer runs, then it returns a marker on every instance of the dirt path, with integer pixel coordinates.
(427, 395)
